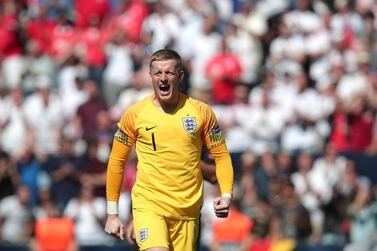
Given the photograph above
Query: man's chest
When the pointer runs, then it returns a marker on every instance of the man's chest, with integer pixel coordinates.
(181, 128)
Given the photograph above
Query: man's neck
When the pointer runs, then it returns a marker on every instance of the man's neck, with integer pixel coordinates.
(168, 107)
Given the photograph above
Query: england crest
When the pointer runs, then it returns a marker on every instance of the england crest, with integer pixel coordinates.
(143, 234)
(189, 123)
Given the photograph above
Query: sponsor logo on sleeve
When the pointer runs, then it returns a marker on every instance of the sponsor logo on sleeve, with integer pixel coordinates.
(189, 123)
(121, 137)
(215, 134)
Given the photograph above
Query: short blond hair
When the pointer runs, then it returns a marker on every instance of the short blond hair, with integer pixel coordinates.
(166, 54)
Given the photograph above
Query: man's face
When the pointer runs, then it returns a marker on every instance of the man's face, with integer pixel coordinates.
(166, 78)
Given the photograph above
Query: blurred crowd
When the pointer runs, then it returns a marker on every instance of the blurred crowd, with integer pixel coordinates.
(292, 82)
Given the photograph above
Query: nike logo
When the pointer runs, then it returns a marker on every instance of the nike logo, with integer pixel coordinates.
(149, 128)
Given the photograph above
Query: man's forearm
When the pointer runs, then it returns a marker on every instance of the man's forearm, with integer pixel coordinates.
(224, 169)
(115, 170)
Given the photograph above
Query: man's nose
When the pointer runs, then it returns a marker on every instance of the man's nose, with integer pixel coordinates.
(164, 77)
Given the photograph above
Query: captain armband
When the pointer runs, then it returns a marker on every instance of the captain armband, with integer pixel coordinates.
(121, 137)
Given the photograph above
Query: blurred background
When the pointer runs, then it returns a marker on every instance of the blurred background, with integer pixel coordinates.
(292, 82)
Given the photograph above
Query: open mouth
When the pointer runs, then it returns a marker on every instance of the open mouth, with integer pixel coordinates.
(164, 88)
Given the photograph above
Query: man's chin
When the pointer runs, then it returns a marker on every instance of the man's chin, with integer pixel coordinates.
(165, 98)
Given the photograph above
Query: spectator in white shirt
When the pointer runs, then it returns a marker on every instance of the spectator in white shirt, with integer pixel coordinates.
(264, 124)
(16, 217)
(327, 171)
(44, 117)
(206, 44)
(160, 28)
(310, 196)
(308, 128)
(287, 45)
(119, 70)
(12, 123)
(89, 213)
(243, 44)
(70, 87)
(251, 20)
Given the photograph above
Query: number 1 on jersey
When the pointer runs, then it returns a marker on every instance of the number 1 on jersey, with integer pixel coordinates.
(153, 142)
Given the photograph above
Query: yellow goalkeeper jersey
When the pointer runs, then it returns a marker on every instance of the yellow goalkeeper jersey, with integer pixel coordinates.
(168, 146)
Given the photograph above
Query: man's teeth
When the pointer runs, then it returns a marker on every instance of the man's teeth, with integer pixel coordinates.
(164, 87)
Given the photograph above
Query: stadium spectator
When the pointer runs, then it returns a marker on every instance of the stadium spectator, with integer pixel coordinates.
(63, 169)
(232, 233)
(327, 170)
(70, 80)
(242, 43)
(40, 27)
(248, 190)
(93, 171)
(284, 165)
(9, 178)
(311, 195)
(129, 18)
(345, 199)
(37, 62)
(304, 135)
(16, 222)
(54, 234)
(295, 218)
(199, 51)
(119, 69)
(90, 48)
(29, 170)
(11, 50)
(46, 207)
(88, 213)
(160, 28)
(87, 112)
(261, 222)
(43, 116)
(251, 19)
(85, 10)
(12, 123)
(353, 126)
(288, 46)
(265, 124)
(362, 214)
(64, 37)
(224, 71)
(233, 119)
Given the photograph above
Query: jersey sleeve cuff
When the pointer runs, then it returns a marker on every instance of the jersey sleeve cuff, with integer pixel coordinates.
(112, 207)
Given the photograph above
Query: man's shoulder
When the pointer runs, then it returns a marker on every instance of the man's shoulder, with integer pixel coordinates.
(198, 104)
(10, 201)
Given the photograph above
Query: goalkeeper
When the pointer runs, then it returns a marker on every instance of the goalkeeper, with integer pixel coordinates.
(168, 129)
